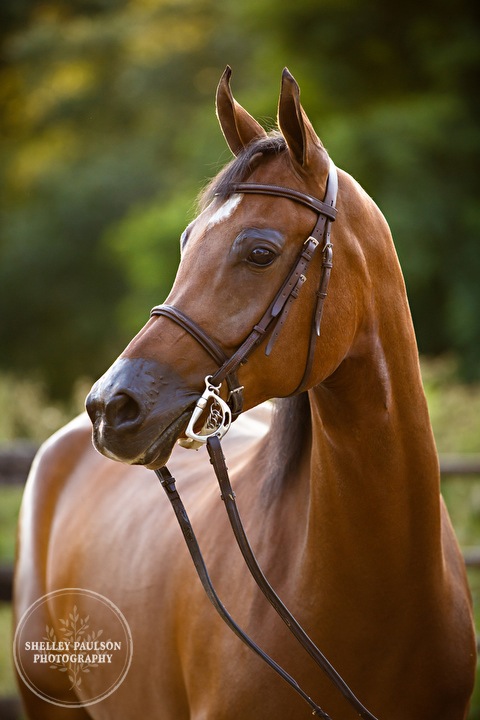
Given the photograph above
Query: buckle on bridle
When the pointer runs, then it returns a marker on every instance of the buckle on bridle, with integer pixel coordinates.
(218, 421)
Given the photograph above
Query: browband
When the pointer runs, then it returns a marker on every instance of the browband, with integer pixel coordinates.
(318, 206)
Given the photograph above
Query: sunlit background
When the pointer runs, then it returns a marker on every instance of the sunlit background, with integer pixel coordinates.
(108, 132)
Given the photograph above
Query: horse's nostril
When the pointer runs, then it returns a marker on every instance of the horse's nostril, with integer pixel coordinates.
(119, 411)
(122, 409)
(93, 406)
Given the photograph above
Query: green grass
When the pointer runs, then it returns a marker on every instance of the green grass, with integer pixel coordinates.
(455, 414)
(10, 498)
(454, 408)
(7, 683)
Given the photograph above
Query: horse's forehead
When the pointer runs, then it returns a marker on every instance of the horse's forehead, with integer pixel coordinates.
(220, 211)
(225, 210)
(216, 213)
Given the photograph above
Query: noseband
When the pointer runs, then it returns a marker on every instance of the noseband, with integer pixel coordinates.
(274, 317)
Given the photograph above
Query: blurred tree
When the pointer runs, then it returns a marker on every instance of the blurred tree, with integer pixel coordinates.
(107, 127)
(95, 120)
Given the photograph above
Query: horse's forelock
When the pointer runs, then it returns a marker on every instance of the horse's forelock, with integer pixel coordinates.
(240, 167)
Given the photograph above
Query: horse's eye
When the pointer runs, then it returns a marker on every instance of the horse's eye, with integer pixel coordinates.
(261, 256)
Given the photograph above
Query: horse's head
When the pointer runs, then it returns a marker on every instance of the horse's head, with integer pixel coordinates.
(237, 255)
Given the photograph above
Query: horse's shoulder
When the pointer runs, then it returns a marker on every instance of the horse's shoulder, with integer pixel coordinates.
(61, 452)
(46, 481)
(57, 458)
(67, 439)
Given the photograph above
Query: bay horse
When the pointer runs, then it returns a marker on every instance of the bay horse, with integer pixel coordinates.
(337, 481)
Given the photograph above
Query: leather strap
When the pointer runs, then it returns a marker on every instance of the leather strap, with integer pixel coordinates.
(214, 350)
(168, 483)
(319, 206)
(217, 459)
(283, 299)
(317, 318)
(235, 399)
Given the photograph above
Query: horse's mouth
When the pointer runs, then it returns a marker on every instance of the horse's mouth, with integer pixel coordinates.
(160, 450)
(130, 450)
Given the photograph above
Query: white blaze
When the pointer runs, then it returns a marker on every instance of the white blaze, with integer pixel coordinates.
(225, 210)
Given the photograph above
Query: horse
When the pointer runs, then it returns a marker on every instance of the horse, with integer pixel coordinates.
(337, 479)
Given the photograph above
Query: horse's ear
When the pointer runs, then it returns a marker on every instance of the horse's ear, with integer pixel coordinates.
(302, 140)
(238, 126)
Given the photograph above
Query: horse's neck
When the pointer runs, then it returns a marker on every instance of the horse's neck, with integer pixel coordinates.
(374, 480)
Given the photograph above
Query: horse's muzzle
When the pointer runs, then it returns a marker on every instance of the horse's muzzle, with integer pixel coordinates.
(138, 409)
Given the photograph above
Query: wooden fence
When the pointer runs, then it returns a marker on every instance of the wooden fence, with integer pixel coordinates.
(463, 466)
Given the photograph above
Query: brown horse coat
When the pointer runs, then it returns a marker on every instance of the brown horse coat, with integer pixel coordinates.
(340, 497)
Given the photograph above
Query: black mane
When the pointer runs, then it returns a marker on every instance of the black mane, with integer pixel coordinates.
(240, 167)
(290, 432)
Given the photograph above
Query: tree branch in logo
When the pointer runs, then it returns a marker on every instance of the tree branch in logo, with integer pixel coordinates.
(74, 637)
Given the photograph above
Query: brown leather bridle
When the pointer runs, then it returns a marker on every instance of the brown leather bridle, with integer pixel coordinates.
(271, 322)
(274, 317)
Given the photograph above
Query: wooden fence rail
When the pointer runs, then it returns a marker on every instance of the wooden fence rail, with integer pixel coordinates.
(15, 461)
(459, 466)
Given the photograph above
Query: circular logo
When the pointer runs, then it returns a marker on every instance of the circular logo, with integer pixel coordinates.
(73, 647)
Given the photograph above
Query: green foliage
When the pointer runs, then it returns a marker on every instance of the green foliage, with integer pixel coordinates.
(7, 682)
(454, 408)
(141, 244)
(30, 414)
(9, 509)
(107, 127)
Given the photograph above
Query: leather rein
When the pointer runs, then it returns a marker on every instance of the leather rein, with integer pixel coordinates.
(222, 413)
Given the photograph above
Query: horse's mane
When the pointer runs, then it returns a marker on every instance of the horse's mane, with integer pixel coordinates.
(241, 167)
(290, 431)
